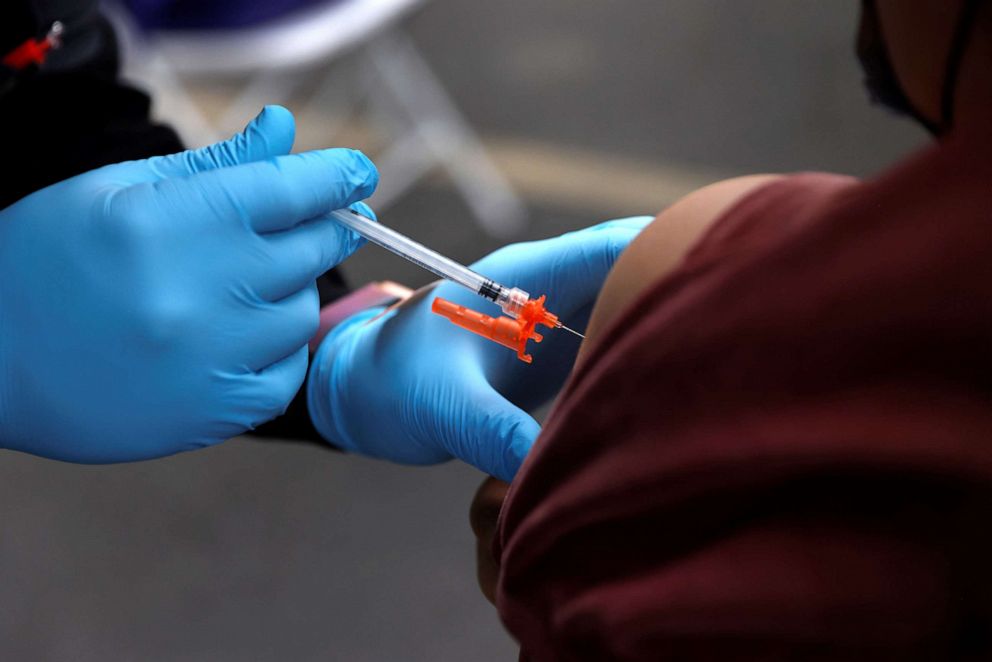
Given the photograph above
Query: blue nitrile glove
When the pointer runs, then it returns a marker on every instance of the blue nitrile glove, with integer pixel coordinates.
(163, 305)
(414, 388)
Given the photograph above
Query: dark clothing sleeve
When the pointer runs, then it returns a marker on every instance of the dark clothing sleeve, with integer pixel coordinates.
(782, 449)
(75, 114)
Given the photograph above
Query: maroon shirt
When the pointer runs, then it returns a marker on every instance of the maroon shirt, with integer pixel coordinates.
(784, 449)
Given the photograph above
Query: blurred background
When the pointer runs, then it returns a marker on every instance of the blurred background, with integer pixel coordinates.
(492, 122)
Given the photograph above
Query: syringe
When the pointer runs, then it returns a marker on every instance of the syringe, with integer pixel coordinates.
(511, 300)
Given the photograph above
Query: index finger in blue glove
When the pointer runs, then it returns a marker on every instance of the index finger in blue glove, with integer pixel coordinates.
(569, 269)
(280, 193)
(299, 255)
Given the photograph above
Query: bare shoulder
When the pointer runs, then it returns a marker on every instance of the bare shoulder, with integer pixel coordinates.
(662, 245)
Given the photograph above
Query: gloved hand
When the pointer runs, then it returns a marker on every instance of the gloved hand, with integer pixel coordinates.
(156, 306)
(414, 388)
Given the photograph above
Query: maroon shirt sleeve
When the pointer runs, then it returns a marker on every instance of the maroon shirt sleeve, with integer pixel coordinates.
(783, 449)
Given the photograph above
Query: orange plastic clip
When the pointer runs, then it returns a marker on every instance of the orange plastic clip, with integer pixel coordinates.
(507, 331)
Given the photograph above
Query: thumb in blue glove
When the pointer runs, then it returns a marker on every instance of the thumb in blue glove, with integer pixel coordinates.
(161, 305)
(269, 135)
(411, 387)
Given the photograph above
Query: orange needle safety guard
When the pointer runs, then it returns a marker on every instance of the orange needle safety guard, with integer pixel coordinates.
(524, 313)
(505, 330)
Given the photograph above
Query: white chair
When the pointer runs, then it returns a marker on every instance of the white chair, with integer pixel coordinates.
(425, 129)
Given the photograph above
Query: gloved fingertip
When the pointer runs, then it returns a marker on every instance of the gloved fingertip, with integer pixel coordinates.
(346, 175)
(364, 210)
(275, 126)
(274, 113)
(367, 178)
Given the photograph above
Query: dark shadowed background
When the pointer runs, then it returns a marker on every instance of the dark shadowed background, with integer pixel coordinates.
(281, 551)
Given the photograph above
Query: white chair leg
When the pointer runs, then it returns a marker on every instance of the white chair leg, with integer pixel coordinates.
(445, 134)
(171, 102)
(335, 99)
(175, 103)
(266, 87)
(404, 163)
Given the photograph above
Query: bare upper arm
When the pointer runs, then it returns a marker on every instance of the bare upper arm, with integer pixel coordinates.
(662, 245)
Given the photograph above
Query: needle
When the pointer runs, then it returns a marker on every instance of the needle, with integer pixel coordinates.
(562, 326)
(511, 300)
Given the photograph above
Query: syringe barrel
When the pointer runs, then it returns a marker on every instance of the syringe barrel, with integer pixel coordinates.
(411, 250)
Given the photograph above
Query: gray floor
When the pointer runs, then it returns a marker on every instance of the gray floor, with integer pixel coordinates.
(278, 551)
(248, 551)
